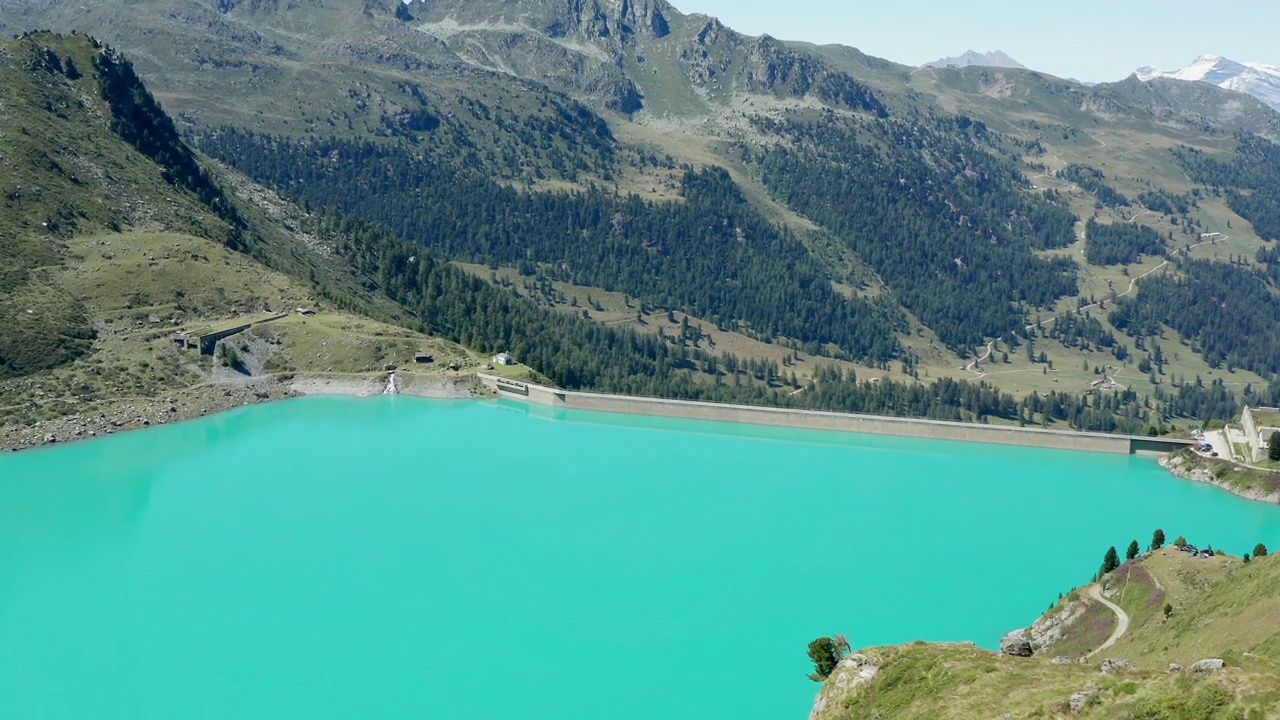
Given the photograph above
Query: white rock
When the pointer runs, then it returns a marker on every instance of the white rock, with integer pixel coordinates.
(1208, 665)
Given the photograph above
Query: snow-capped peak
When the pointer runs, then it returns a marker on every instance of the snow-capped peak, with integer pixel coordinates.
(1260, 81)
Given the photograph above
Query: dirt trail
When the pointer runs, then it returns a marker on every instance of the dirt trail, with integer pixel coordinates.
(1133, 284)
(1122, 627)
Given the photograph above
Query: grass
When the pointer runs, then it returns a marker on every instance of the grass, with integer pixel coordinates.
(1223, 608)
(138, 288)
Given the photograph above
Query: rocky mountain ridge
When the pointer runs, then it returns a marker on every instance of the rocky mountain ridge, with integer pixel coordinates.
(971, 58)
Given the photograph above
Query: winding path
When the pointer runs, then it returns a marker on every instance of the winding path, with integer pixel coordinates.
(973, 366)
(1133, 283)
(1122, 627)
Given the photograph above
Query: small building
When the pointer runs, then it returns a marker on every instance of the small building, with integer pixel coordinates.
(503, 359)
(423, 357)
(1259, 425)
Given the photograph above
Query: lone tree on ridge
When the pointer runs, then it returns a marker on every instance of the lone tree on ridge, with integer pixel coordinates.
(1110, 562)
(1259, 550)
(825, 653)
(1157, 540)
(1133, 551)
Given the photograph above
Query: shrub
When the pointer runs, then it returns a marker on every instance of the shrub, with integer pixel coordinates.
(1259, 550)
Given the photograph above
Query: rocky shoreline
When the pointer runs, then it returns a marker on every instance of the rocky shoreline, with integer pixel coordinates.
(211, 398)
(1189, 468)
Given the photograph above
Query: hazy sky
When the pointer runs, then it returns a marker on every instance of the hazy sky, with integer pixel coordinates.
(1094, 40)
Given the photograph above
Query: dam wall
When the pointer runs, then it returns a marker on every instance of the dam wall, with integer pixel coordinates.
(843, 422)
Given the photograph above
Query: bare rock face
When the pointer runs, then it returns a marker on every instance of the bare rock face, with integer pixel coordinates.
(1049, 630)
(620, 21)
(1016, 645)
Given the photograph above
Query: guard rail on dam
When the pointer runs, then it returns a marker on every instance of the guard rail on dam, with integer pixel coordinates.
(817, 420)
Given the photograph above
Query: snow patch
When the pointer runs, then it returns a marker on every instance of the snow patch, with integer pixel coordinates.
(1256, 79)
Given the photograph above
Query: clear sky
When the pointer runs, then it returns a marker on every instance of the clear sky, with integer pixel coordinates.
(1092, 40)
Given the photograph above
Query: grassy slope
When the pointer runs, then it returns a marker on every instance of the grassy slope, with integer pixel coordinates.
(1222, 608)
(99, 248)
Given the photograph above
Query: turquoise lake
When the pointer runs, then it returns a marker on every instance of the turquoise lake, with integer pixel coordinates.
(398, 557)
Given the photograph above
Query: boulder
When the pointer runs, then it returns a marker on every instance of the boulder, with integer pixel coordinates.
(1175, 668)
(1077, 701)
(1112, 665)
(1062, 660)
(1208, 665)
(1016, 646)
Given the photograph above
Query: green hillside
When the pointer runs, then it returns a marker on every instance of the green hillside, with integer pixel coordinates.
(927, 228)
(115, 235)
(1218, 609)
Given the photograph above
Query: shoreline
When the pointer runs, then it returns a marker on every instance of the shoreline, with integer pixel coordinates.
(1181, 466)
(210, 398)
(214, 397)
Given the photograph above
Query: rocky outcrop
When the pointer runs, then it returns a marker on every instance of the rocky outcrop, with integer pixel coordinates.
(1110, 666)
(1049, 629)
(850, 675)
(1016, 644)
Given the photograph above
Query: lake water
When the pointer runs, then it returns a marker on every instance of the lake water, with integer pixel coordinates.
(397, 557)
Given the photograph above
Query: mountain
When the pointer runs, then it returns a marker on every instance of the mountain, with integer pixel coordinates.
(115, 235)
(1260, 81)
(710, 214)
(970, 58)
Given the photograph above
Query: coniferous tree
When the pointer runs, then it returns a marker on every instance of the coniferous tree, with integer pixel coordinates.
(1259, 550)
(1157, 539)
(1133, 551)
(825, 654)
(1110, 561)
